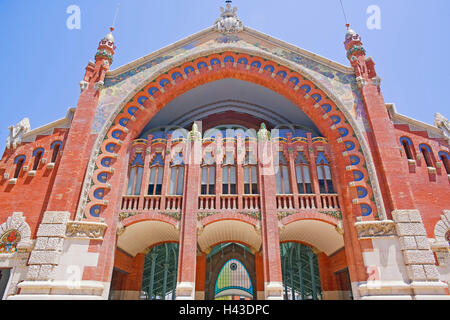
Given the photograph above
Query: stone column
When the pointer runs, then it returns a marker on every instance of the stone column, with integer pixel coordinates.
(57, 262)
(419, 259)
(46, 254)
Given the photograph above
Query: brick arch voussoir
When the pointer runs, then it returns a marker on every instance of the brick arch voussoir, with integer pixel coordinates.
(229, 216)
(316, 216)
(298, 96)
(150, 216)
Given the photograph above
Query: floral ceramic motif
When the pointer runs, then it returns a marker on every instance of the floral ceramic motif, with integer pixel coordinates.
(9, 241)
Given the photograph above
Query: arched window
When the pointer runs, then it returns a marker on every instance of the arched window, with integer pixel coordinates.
(445, 157)
(208, 183)
(250, 174)
(37, 154)
(177, 175)
(303, 174)
(407, 146)
(229, 174)
(324, 174)
(56, 147)
(19, 162)
(427, 155)
(135, 180)
(282, 175)
(156, 175)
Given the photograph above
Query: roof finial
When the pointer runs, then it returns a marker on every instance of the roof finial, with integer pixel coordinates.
(345, 16)
(115, 18)
(228, 22)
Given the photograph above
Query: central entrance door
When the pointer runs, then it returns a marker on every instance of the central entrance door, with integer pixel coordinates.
(230, 273)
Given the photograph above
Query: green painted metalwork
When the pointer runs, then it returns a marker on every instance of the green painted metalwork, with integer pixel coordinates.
(301, 278)
(159, 280)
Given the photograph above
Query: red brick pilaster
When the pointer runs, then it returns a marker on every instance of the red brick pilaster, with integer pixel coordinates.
(188, 235)
(385, 147)
(269, 221)
(200, 277)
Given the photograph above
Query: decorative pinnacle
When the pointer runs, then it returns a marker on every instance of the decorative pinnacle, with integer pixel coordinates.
(228, 22)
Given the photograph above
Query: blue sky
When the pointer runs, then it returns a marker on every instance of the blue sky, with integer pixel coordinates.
(42, 61)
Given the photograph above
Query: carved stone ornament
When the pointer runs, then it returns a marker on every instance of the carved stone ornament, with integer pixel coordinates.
(361, 82)
(99, 85)
(228, 22)
(442, 228)
(263, 133)
(375, 229)
(16, 133)
(442, 123)
(195, 135)
(85, 230)
(84, 85)
(376, 81)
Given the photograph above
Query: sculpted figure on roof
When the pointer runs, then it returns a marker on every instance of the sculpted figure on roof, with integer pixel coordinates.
(16, 132)
(442, 123)
(228, 22)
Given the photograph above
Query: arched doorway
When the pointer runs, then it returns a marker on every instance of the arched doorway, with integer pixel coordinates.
(301, 277)
(159, 278)
(230, 273)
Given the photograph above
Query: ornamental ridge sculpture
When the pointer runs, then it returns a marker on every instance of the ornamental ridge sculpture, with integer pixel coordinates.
(442, 123)
(228, 22)
(16, 133)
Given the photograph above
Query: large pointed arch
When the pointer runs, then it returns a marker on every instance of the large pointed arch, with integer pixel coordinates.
(323, 108)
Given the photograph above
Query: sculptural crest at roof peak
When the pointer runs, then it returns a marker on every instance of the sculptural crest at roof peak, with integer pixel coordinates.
(228, 22)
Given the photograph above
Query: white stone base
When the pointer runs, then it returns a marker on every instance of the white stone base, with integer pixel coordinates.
(397, 290)
(185, 291)
(399, 297)
(49, 290)
(54, 297)
(431, 297)
(273, 291)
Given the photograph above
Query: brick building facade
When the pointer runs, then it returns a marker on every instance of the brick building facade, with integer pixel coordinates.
(227, 165)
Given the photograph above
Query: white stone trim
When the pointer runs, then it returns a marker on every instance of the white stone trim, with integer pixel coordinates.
(49, 128)
(442, 227)
(414, 124)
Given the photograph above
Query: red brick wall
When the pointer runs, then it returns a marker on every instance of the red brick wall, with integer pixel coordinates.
(431, 192)
(30, 195)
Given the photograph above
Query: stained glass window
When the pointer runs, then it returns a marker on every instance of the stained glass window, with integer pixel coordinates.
(233, 280)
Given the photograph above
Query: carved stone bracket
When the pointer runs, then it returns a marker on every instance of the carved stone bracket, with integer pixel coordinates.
(376, 81)
(99, 85)
(84, 85)
(85, 230)
(375, 229)
(361, 82)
